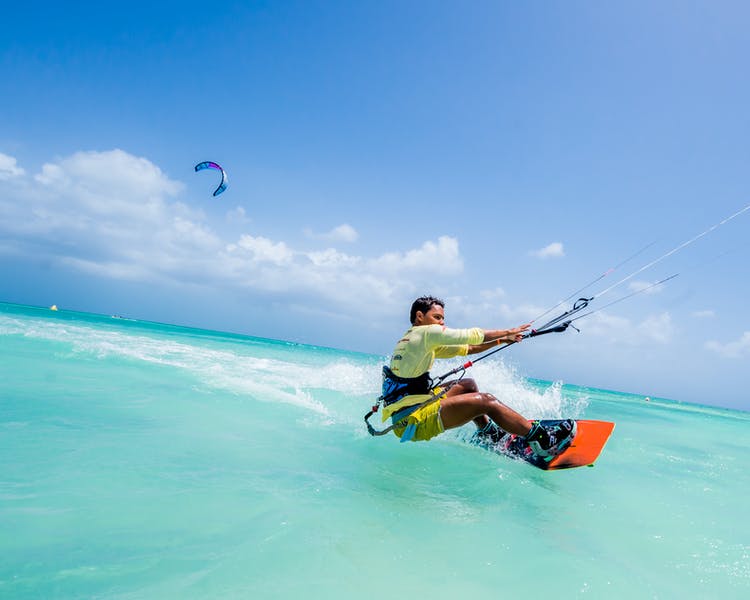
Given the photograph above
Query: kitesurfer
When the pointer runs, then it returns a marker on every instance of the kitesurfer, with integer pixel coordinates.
(419, 412)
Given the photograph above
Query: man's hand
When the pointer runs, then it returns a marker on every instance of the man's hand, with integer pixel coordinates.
(515, 335)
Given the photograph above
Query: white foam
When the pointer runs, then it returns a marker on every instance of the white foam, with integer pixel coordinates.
(340, 388)
(504, 381)
(264, 379)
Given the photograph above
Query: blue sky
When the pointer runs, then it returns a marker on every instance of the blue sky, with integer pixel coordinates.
(497, 154)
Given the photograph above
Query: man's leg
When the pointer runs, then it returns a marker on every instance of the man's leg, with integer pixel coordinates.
(459, 409)
(467, 386)
(545, 440)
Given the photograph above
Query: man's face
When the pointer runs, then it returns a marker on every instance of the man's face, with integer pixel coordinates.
(434, 316)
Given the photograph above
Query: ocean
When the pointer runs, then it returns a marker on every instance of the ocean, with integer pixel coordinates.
(143, 460)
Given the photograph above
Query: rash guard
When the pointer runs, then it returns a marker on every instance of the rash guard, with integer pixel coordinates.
(419, 347)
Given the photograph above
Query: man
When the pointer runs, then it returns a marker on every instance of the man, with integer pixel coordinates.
(420, 413)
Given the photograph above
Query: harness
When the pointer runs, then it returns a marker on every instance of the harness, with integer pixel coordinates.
(394, 389)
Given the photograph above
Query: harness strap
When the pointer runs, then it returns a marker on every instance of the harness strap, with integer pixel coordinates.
(377, 432)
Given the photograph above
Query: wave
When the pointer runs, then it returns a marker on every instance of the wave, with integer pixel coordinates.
(336, 385)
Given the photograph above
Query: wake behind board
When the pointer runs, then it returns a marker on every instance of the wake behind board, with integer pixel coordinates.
(583, 451)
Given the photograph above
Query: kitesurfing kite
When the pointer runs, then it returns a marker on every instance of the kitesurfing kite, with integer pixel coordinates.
(212, 165)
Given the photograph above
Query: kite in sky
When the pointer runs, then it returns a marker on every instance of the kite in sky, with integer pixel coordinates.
(212, 165)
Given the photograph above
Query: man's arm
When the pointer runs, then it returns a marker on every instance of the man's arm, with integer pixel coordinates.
(498, 337)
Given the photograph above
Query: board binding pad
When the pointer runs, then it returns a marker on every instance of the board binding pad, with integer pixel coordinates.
(585, 448)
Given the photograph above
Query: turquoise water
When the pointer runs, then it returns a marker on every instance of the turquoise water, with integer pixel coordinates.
(140, 460)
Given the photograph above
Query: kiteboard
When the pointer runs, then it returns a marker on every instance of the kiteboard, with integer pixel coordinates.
(583, 451)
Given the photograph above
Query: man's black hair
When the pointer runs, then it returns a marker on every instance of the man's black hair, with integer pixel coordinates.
(424, 304)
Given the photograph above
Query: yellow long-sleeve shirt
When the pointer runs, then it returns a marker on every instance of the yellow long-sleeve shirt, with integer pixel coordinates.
(417, 350)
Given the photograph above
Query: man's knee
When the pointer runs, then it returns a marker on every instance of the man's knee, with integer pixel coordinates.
(480, 401)
(486, 399)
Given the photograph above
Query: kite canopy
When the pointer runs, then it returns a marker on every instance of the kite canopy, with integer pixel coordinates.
(212, 165)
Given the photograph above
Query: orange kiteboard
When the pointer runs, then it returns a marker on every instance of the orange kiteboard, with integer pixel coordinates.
(585, 448)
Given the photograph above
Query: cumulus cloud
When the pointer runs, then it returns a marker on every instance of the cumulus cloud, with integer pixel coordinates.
(94, 175)
(553, 250)
(105, 212)
(441, 257)
(259, 250)
(736, 349)
(341, 233)
(116, 215)
(331, 257)
(704, 314)
(9, 167)
(387, 280)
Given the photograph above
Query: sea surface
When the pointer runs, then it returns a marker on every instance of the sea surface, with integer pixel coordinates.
(142, 460)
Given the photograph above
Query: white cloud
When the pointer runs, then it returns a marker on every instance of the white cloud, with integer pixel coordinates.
(385, 281)
(490, 311)
(102, 194)
(96, 174)
(238, 215)
(341, 233)
(704, 314)
(492, 295)
(441, 258)
(260, 249)
(606, 325)
(117, 216)
(9, 167)
(657, 329)
(736, 349)
(553, 250)
(51, 175)
(333, 258)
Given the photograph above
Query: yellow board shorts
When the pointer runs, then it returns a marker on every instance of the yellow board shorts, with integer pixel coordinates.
(423, 424)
